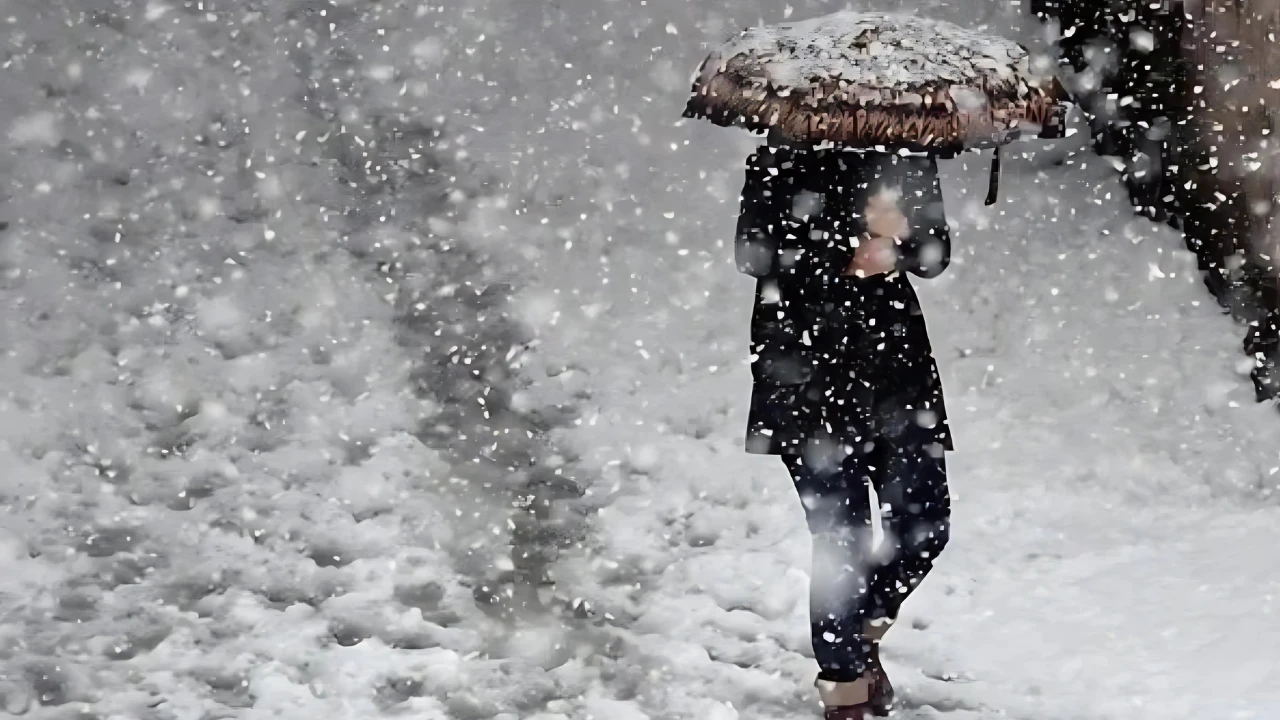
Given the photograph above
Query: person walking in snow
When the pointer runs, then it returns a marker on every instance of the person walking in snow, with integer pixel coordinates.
(840, 206)
(846, 390)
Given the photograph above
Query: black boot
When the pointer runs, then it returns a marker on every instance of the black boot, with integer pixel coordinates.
(882, 694)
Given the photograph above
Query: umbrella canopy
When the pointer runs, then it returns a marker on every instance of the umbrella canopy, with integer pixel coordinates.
(877, 79)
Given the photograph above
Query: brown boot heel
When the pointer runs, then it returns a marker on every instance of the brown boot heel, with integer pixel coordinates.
(882, 694)
(848, 712)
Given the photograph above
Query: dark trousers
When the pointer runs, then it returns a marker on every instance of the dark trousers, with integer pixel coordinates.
(852, 581)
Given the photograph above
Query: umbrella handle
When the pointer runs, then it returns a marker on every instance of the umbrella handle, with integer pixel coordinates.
(993, 189)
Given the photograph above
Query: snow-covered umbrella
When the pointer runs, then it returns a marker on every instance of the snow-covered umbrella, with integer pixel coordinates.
(879, 80)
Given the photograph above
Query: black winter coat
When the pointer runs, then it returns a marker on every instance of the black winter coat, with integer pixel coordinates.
(840, 363)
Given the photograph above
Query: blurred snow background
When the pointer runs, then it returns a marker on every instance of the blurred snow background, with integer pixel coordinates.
(320, 315)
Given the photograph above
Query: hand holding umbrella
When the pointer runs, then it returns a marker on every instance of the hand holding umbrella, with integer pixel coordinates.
(877, 251)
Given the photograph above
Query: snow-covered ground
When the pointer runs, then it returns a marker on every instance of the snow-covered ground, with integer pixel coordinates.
(241, 476)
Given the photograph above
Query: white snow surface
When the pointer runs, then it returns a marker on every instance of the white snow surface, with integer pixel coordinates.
(215, 502)
(874, 50)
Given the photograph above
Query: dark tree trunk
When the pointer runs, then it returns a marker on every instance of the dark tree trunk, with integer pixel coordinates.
(1148, 112)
